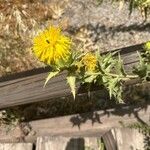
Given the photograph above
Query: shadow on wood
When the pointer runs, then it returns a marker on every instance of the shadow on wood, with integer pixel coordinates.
(120, 111)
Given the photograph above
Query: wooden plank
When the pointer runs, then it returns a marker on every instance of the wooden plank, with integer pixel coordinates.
(68, 143)
(109, 141)
(129, 67)
(88, 124)
(95, 123)
(27, 87)
(30, 89)
(124, 139)
(130, 58)
(16, 146)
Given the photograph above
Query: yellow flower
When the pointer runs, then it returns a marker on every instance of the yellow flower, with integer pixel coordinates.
(147, 46)
(51, 46)
(89, 61)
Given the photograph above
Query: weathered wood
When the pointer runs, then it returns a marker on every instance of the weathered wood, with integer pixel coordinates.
(124, 139)
(16, 146)
(109, 141)
(27, 87)
(93, 124)
(30, 89)
(88, 124)
(68, 143)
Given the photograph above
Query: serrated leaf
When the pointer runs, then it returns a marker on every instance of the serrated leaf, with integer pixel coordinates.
(107, 62)
(114, 88)
(142, 68)
(112, 84)
(50, 75)
(119, 66)
(71, 79)
(90, 79)
(105, 79)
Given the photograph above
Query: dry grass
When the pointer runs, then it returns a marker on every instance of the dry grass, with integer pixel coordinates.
(19, 22)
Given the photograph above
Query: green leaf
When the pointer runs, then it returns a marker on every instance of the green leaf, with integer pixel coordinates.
(107, 62)
(72, 83)
(112, 85)
(51, 74)
(90, 79)
(105, 79)
(142, 69)
(119, 66)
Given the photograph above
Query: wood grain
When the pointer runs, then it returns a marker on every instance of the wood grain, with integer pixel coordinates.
(124, 139)
(16, 146)
(93, 124)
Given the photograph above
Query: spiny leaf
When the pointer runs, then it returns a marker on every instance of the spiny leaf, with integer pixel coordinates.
(90, 79)
(112, 85)
(72, 83)
(51, 74)
(119, 66)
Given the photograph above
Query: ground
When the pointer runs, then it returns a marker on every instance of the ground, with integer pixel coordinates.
(103, 27)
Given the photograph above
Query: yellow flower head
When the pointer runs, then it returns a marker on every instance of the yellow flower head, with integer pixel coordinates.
(147, 47)
(89, 61)
(51, 46)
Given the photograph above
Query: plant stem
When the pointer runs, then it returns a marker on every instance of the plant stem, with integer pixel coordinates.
(124, 77)
(116, 75)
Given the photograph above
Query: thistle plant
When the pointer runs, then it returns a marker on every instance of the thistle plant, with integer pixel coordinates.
(60, 52)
